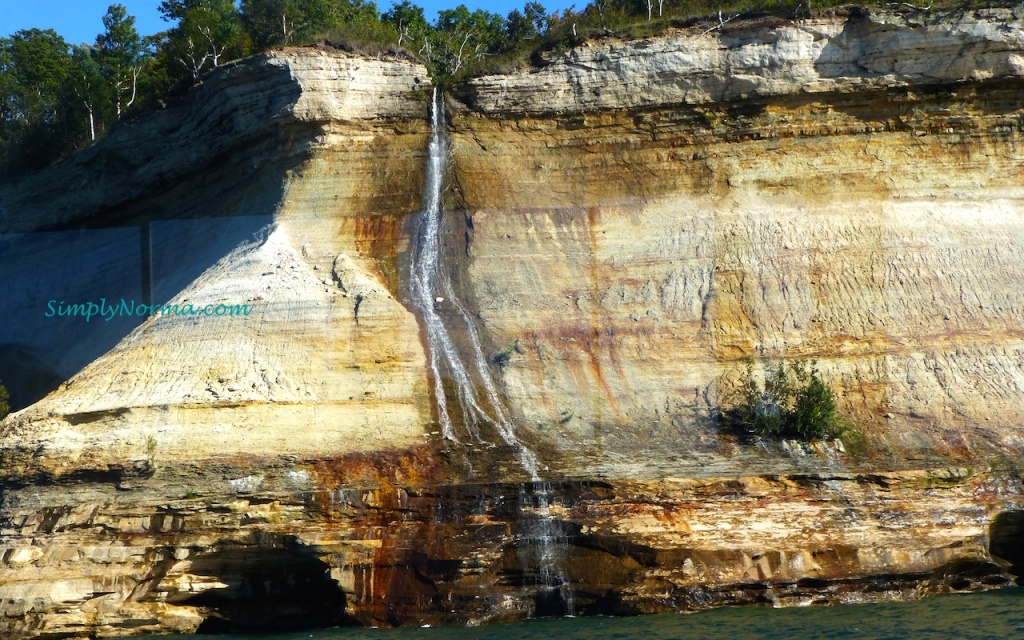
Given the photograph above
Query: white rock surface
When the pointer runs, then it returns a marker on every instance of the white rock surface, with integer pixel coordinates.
(772, 57)
(296, 375)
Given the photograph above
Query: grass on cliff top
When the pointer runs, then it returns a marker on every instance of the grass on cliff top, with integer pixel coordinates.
(377, 40)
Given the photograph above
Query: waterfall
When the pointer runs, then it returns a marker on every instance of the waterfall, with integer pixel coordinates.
(430, 288)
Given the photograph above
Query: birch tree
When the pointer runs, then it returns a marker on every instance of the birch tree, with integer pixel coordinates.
(205, 33)
(87, 84)
(408, 20)
(283, 22)
(466, 36)
(121, 55)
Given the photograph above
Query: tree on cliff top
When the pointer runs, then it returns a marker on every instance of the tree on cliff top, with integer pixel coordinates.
(206, 35)
(55, 98)
(121, 55)
(282, 22)
(460, 37)
(87, 83)
(524, 26)
(37, 123)
(408, 20)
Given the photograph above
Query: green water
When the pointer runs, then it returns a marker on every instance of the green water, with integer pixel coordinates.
(994, 614)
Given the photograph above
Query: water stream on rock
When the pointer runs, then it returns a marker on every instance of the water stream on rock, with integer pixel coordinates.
(430, 287)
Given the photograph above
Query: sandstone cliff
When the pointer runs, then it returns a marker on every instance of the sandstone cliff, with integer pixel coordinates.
(268, 173)
(625, 223)
(845, 189)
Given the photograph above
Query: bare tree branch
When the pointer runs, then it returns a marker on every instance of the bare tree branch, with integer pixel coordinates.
(721, 22)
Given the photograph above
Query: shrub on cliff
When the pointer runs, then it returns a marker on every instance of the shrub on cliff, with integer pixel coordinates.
(5, 408)
(793, 402)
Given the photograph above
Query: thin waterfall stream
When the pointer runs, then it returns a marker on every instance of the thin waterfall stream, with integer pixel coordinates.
(430, 287)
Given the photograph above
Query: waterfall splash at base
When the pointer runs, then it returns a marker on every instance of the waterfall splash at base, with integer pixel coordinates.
(430, 286)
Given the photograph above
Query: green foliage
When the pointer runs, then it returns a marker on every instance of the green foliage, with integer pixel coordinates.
(39, 60)
(5, 406)
(352, 25)
(504, 356)
(408, 22)
(283, 22)
(268, 22)
(89, 87)
(357, 12)
(37, 124)
(207, 34)
(55, 98)
(526, 26)
(794, 402)
(461, 37)
(366, 38)
(121, 56)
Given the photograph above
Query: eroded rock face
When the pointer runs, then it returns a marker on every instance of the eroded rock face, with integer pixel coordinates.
(850, 50)
(865, 217)
(392, 554)
(625, 225)
(323, 153)
(266, 110)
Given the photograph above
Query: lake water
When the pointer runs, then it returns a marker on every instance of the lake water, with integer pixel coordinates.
(994, 614)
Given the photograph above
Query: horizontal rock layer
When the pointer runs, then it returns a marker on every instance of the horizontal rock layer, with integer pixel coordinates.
(299, 550)
(848, 50)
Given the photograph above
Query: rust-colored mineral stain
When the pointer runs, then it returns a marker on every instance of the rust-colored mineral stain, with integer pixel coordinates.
(537, 376)
(592, 344)
(414, 467)
(386, 471)
(388, 591)
(376, 237)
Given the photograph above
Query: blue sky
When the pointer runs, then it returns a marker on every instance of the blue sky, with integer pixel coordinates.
(81, 20)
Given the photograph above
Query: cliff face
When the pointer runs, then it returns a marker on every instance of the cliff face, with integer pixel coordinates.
(843, 189)
(279, 184)
(624, 224)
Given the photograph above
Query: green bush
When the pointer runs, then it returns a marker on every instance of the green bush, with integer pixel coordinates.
(504, 356)
(794, 402)
(5, 406)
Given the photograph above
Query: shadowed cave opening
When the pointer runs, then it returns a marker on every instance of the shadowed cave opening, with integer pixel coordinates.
(1006, 542)
(267, 590)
